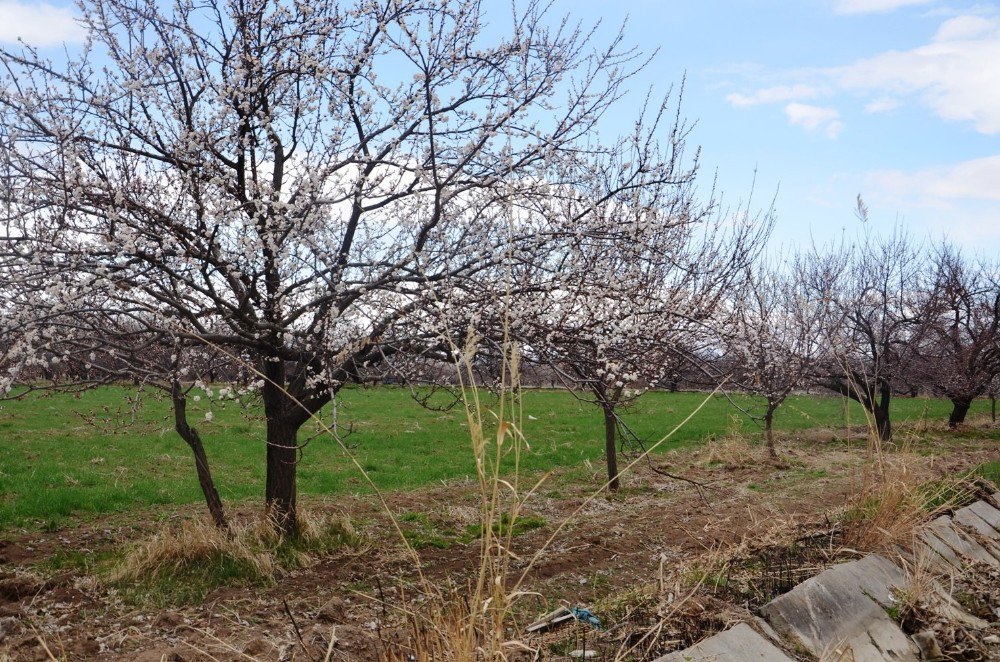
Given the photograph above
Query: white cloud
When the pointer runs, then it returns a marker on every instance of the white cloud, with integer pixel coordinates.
(873, 6)
(812, 118)
(38, 23)
(774, 94)
(881, 105)
(956, 74)
(969, 180)
(965, 27)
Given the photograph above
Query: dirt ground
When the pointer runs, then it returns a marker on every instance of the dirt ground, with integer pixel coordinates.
(346, 606)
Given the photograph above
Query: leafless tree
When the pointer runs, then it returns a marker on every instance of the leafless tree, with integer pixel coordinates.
(956, 347)
(871, 292)
(286, 182)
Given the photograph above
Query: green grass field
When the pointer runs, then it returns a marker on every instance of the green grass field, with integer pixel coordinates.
(70, 455)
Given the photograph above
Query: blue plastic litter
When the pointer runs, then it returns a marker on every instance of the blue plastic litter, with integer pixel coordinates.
(584, 616)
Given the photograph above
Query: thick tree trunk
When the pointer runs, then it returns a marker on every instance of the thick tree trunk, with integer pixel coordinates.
(283, 421)
(960, 407)
(288, 404)
(282, 461)
(883, 424)
(610, 447)
(881, 412)
(193, 439)
(769, 433)
(865, 395)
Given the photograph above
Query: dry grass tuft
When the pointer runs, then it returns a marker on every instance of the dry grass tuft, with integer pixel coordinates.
(731, 450)
(251, 549)
(444, 628)
(892, 502)
(445, 623)
(924, 606)
(195, 542)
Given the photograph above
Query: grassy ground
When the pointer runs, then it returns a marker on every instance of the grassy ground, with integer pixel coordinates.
(123, 586)
(66, 455)
(991, 470)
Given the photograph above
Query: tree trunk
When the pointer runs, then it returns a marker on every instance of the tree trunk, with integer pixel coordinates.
(883, 424)
(881, 412)
(282, 461)
(876, 407)
(769, 432)
(610, 447)
(993, 408)
(283, 421)
(193, 439)
(960, 407)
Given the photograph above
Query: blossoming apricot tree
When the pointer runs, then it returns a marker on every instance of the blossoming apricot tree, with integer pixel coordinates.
(281, 186)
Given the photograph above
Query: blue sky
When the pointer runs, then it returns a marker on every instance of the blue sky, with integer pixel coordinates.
(898, 100)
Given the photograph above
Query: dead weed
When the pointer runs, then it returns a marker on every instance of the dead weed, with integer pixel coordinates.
(253, 547)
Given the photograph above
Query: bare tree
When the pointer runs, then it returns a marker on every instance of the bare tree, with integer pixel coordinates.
(286, 183)
(773, 337)
(871, 294)
(956, 347)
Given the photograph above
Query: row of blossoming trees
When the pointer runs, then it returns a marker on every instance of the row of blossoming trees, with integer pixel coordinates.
(298, 196)
(881, 318)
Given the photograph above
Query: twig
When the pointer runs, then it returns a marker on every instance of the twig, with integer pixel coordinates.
(625, 432)
(46, 647)
(298, 632)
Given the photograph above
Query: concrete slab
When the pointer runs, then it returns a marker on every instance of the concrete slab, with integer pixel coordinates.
(967, 517)
(946, 606)
(876, 576)
(928, 558)
(836, 613)
(946, 554)
(989, 514)
(765, 629)
(738, 643)
(962, 544)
